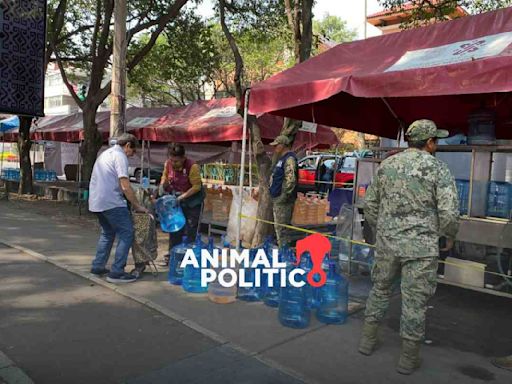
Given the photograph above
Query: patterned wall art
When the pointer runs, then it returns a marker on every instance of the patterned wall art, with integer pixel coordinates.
(22, 45)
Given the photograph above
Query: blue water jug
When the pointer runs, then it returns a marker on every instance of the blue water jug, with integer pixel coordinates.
(272, 294)
(176, 257)
(192, 275)
(333, 298)
(310, 292)
(170, 214)
(250, 293)
(293, 308)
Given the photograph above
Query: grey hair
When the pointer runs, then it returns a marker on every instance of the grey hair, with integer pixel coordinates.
(126, 138)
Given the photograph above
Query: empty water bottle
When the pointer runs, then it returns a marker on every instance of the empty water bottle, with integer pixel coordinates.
(250, 293)
(176, 257)
(192, 275)
(333, 298)
(272, 294)
(217, 292)
(170, 214)
(145, 183)
(293, 308)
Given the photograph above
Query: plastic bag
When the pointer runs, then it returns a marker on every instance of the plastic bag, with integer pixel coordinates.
(249, 208)
(362, 255)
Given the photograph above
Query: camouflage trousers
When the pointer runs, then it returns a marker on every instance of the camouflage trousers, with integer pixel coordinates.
(419, 281)
(283, 215)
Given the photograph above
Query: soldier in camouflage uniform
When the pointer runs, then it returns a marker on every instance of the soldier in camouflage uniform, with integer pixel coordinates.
(412, 202)
(283, 186)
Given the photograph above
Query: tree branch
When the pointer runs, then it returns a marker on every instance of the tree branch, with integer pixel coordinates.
(163, 20)
(96, 28)
(239, 63)
(79, 102)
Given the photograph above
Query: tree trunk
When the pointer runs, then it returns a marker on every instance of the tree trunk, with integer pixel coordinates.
(302, 42)
(306, 37)
(92, 142)
(24, 145)
(265, 208)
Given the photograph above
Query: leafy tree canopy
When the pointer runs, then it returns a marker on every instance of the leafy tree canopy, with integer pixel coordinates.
(439, 10)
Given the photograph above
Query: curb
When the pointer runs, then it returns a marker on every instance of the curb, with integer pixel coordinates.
(158, 308)
(10, 373)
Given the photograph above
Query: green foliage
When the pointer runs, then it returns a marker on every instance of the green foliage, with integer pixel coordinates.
(333, 28)
(428, 10)
(177, 68)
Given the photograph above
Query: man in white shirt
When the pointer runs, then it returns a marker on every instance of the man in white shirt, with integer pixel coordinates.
(108, 190)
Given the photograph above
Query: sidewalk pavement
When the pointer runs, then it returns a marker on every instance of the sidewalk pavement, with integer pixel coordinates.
(61, 328)
(318, 354)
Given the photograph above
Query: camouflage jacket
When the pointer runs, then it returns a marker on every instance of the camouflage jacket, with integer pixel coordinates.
(288, 193)
(412, 202)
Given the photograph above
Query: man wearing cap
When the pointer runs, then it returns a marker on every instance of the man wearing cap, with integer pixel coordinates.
(283, 186)
(412, 202)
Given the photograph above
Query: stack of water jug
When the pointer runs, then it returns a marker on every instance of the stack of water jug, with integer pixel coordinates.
(295, 305)
(44, 175)
(11, 174)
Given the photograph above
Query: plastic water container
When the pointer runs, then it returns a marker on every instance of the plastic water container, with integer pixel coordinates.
(170, 214)
(463, 192)
(145, 182)
(499, 199)
(216, 292)
(333, 298)
(272, 294)
(293, 308)
(192, 276)
(250, 293)
(310, 292)
(176, 257)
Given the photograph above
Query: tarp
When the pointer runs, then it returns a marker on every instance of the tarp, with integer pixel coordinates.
(37, 124)
(217, 121)
(442, 72)
(9, 123)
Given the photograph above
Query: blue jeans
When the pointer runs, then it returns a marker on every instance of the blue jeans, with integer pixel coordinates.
(116, 221)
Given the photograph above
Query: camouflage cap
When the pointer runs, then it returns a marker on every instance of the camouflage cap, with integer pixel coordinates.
(281, 139)
(423, 130)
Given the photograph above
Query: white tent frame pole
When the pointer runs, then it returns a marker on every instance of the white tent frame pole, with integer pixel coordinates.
(142, 164)
(242, 171)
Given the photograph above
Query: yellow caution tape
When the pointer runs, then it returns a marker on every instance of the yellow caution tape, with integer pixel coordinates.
(363, 244)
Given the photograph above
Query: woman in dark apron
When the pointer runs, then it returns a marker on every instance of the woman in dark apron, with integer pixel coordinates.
(182, 177)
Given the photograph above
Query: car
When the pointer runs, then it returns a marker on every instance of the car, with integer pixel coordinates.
(312, 168)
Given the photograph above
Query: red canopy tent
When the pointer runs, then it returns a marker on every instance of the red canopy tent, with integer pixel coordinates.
(217, 121)
(442, 72)
(211, 121)
(70, 128)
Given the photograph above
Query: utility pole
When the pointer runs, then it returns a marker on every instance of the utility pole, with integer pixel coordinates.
(118, 91)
